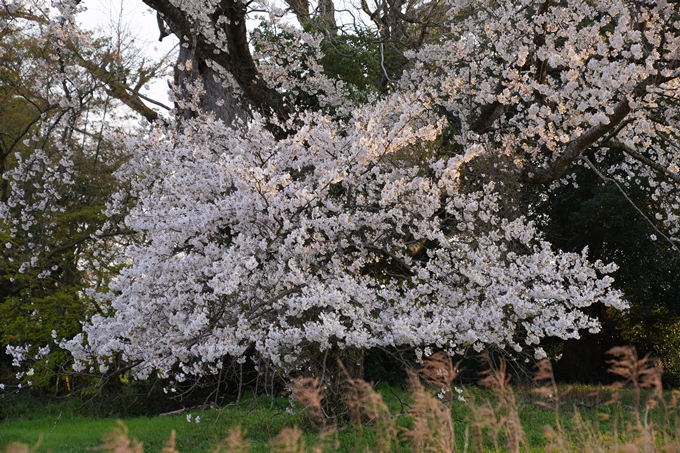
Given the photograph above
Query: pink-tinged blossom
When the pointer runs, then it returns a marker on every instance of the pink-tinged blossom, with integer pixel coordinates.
(385, 221)
(243, 249)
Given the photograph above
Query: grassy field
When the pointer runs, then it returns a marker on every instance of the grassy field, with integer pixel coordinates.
(59, 428)
(431, 417)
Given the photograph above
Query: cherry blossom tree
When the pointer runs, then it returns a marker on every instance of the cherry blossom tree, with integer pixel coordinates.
(321, 222)
(320, 216)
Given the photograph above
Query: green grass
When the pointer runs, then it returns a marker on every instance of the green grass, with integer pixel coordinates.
(58, 427)
(64, 431)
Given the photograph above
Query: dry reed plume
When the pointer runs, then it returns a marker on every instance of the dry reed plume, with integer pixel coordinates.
(501, 420)
(433, 427)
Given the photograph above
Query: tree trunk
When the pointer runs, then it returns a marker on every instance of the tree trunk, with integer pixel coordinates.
(334, 368)
(217, 98)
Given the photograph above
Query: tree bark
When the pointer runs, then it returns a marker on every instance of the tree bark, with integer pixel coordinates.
(229, 20)
(218, 98)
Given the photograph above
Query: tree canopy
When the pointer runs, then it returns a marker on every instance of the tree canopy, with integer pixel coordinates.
(379, 178)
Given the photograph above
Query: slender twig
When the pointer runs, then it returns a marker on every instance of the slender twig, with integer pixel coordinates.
(610, 180)
(645, 160)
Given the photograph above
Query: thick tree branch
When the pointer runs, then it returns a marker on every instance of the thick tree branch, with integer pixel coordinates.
(250, 315)
(151, 101)
(118, 89)
(577, 146)
(374, 248)
(238, 60)
(488, 113)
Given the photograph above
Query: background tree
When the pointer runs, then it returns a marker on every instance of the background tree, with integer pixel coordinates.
(615, 227)
(61, 92)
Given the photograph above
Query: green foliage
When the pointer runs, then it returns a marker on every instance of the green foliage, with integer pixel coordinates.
(354, 59)
(51, 260)
(598, 216)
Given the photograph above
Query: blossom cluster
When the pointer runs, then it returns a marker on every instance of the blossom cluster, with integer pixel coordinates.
(331, 237)
(325, 222)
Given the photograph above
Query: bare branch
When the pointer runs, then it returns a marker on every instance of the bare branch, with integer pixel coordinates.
(645, 160)
(632, 203)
